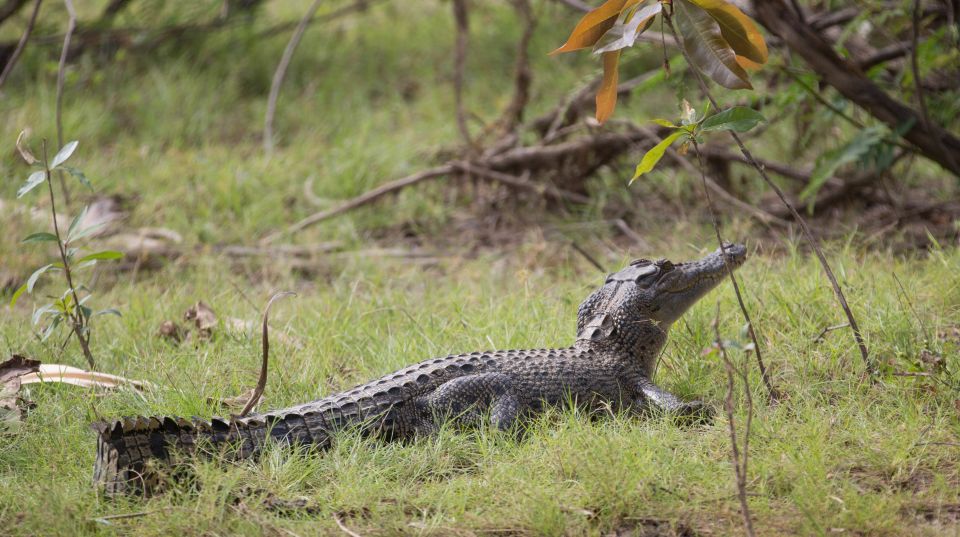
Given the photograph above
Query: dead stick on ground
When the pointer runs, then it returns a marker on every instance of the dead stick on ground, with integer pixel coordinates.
(20, 44)
(362, 199)
(461, 18)
(739, 460)
(807, 232)
(281, 72)
(772, 393)
(343, 527)
(262, 381)
(61, 68)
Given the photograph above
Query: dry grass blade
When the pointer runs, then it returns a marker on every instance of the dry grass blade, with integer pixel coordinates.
(343, 527)
(262, 381)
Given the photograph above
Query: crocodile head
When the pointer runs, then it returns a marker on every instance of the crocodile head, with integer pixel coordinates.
(636, 306)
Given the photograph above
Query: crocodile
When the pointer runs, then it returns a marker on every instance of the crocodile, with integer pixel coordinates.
(621, 330)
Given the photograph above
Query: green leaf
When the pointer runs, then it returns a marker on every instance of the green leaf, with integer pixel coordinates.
(625, 32)
(106, 254)
(738, 118)
(49, 330)
(89, 230)
(829, 162)
(64, 154)
(710, 52)
(79, 175)
(32, 280)
(652, 157)
(16, 295)
(43, 310)
(76, 221)
(664, 123)
(108, 311)
(42, 236)
(35, 179)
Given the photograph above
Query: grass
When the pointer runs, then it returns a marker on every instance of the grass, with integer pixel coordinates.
(176, 132)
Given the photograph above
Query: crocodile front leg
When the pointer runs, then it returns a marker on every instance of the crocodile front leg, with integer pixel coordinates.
(466, 399)
(652, 396)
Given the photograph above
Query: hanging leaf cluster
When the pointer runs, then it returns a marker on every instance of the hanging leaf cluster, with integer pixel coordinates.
(721, 41)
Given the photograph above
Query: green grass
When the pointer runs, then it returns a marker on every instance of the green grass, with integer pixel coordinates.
(368, 99)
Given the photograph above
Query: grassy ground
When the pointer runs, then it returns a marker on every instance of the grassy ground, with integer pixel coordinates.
(368, 99)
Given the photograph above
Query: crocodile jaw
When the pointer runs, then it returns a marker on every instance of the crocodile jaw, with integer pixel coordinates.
(679, 289)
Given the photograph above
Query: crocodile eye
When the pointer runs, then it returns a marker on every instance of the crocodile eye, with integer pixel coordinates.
(666, 265)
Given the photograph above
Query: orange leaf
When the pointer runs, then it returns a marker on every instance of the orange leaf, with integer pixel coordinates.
(594, 24)
(607, 94)
(737, 29)
(748, 64)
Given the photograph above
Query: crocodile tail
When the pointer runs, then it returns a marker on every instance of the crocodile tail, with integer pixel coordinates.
(131, 451)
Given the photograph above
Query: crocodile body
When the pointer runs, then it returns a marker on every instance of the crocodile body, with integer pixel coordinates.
(621, 329)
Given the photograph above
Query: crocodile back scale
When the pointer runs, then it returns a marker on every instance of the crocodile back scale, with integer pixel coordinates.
(621, 328)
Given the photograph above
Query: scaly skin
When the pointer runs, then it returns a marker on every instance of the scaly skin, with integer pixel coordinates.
(621, 329)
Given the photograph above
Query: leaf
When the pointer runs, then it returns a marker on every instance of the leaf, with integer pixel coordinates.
(738, 118)
(76, 221)
(64, 154)
(35, 179)
(108, 311)
(624, 33)
(653, 156)
(829, 162)
(79, 175)
(664, 123)
(688, 116)
(709, 51)
(738, 30)
(607, 94)
(16, 295)
(51, 328)
(89, 230)
(32, 280)
(41, 311)
(203, 317)
(42, 236)
(104, 255)
(594, 24)
(25, 153)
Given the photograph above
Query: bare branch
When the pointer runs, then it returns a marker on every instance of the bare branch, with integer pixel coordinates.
(20, 44)
(61, 69)
(281, 72)
(462, 21)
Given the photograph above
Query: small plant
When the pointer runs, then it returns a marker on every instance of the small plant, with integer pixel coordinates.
(69, 308)
(691, 129)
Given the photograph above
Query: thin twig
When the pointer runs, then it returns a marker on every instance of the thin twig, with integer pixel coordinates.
(587, 256)
(918, 82)
(462, 21)
(522, 74)
(772, 393)
(262, 381)
(829, 329)
(61, 69)
(906, 297)
(20, 44)
(811, 238)
(739, 462)
(281, 72)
